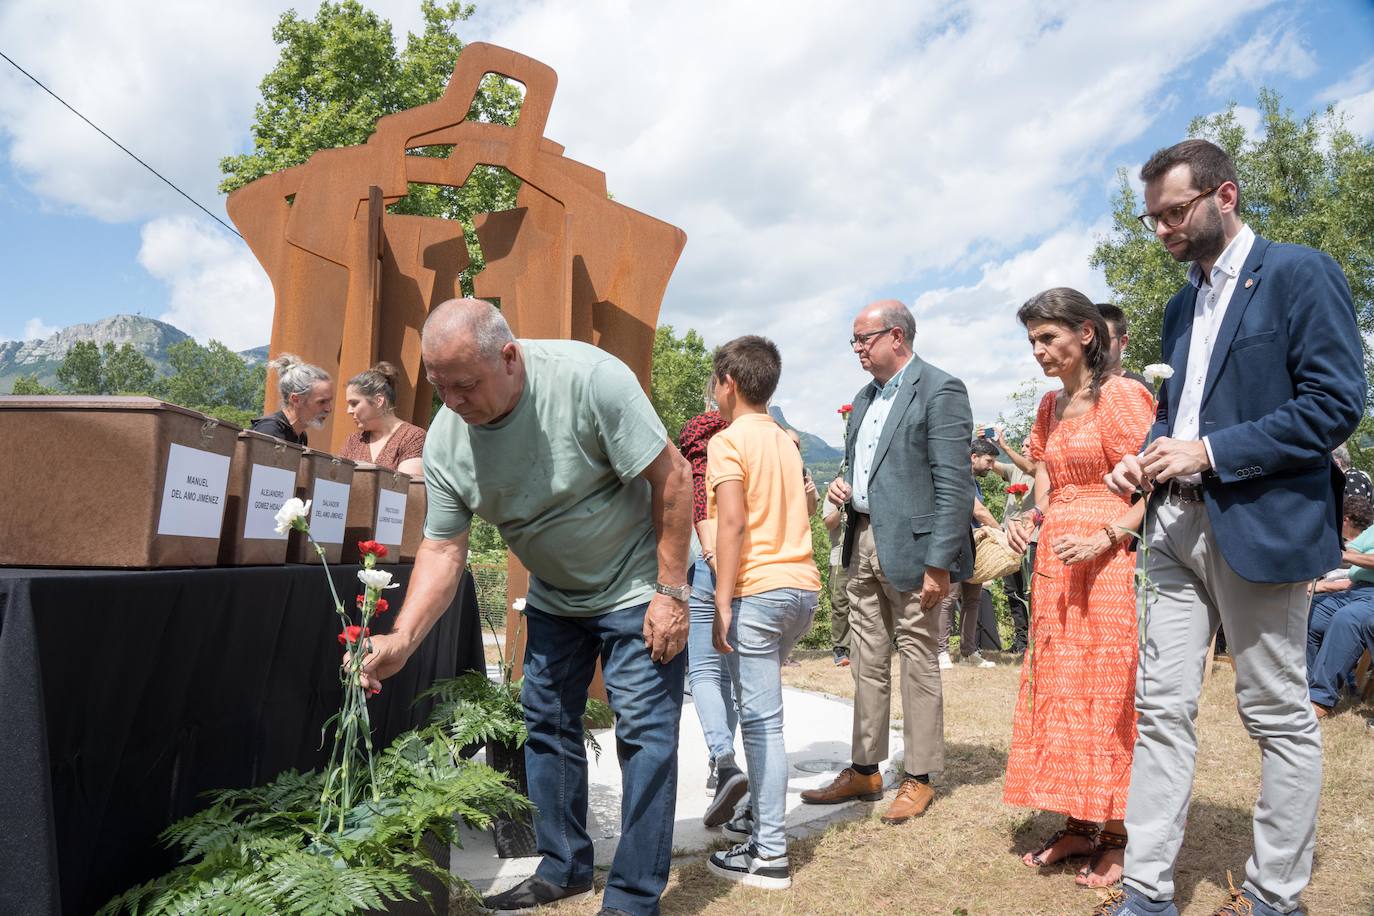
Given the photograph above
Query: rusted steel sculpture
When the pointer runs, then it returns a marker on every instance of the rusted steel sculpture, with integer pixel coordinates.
(353, 283)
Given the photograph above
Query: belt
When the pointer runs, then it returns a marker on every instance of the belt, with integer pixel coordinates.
(1182, 492)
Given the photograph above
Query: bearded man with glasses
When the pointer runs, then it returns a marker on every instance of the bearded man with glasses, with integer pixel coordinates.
(1244, 512)
(907, 495)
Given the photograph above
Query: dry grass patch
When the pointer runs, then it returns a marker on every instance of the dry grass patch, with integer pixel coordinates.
(963, 857)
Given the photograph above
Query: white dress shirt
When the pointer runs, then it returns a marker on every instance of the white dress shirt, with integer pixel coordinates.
(866, 439)
(1213, 296)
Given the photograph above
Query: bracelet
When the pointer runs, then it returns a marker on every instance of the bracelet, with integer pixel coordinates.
(1112, 537)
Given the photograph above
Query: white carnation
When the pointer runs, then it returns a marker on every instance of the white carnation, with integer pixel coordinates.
(518, 605)
(375, 578)
(292, 512)
(1158, 372)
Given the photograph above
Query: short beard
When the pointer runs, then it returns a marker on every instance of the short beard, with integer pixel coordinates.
(1208, 240)
(318, 422)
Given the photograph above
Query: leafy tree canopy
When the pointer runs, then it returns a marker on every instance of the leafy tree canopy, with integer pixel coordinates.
(681, 367)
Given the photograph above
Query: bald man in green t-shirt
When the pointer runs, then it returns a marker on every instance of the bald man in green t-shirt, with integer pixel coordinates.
(555, 443)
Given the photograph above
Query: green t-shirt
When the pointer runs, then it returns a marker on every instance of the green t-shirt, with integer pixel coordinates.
(559, 477)
(1363, 544)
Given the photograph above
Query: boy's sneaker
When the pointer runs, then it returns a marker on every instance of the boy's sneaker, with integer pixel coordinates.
(741, 827)
(731, 784)
(710, 777)
(1127, 901)
(977, 661)
(841, 657)
(742, 863)
(533, 892)
(945, 663)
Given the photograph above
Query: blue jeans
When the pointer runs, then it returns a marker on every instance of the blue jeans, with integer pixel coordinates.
(1344, 634)
(763, 630)
(706, 670)
(1324, 608)
(560, 657)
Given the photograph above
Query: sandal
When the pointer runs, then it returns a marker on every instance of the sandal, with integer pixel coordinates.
(1072, 827)
(1107, 841)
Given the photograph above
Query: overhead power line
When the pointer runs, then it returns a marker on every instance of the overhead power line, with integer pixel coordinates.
(127, 151)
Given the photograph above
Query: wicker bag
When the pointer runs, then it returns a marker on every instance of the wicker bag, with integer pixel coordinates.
(992, 558)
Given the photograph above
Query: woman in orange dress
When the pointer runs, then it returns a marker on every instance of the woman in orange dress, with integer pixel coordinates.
(1074, 728)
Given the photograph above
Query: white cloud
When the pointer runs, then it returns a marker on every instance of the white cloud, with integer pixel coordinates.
(218, 290)
(35, 329)
(1275, 49)
(1353, 97)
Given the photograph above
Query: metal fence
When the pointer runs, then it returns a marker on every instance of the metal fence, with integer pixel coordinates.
(491, 593)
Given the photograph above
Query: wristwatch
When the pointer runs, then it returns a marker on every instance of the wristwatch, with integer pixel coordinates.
(680, 592)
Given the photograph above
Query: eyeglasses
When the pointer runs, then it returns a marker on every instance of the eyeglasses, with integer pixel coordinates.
(865, 340)
(1172, 216)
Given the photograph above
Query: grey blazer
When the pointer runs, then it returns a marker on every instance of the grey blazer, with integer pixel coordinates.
(919, 494)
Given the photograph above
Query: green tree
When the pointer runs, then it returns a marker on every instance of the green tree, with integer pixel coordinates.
(126, 371)
(81, 369)
(338, 73)
(212, 378)
(1308, 181)
(29, 385)
(681, 367)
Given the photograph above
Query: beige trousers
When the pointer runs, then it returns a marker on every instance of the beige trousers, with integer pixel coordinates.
(877, 612)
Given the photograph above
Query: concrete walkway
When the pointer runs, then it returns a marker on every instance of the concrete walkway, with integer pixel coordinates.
(817, 734)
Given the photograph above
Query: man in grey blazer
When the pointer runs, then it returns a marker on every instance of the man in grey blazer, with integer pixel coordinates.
(907, 498)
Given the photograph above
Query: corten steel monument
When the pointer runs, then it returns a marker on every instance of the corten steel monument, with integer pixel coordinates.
(353, 283)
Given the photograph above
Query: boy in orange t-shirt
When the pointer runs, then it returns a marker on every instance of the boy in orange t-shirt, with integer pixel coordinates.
(766, 588)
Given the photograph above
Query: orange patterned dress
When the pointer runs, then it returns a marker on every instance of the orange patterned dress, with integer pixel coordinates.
(1074, 728)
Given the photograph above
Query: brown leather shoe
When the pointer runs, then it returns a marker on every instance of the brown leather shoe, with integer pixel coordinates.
(913, 798)
(848, 786)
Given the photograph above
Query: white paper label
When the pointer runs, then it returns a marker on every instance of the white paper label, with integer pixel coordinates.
(193, 493)
(328, 511)
(391, 517)
(268, 488)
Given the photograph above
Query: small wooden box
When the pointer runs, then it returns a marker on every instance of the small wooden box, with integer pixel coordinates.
(261, 478)
(376, 511)
(326, 481)
(111, 481)
(417, 502)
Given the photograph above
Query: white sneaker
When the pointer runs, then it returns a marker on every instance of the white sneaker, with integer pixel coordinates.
(945, 663)
(977, 661)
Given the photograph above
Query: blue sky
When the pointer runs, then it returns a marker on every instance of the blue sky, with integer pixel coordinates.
(958, 156)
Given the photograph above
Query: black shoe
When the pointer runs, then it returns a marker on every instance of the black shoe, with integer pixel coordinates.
(731, 784)
(740, 828)
(531, 893)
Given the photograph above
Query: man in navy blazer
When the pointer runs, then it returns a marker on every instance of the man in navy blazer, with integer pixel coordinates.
(1267, 378)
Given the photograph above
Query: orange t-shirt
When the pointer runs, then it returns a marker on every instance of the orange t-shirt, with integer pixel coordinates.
(776, 552)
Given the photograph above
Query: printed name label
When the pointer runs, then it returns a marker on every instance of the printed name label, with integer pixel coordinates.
(268, 488)
(328, 511)
(193, 493)
(391, 517)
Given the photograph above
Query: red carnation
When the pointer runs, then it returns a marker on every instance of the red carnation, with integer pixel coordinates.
(1018, 489)
(845, 410)
(371, 547)
(352, 634)
(381, 608)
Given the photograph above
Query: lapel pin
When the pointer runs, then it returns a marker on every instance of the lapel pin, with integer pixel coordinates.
(1250, 282)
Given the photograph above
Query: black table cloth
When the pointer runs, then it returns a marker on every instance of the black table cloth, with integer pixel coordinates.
(124, 695)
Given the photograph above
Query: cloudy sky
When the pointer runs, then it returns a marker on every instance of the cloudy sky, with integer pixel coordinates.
(959, 156)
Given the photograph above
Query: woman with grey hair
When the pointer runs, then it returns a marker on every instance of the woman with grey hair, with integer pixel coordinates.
(307, 397)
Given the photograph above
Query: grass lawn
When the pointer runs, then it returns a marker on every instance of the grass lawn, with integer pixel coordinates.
(963, 857)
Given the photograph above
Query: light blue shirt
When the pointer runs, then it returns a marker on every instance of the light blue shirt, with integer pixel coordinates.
(866, 439)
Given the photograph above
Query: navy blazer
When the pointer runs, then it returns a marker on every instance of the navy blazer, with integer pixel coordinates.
(1285, 386)
(919, 497)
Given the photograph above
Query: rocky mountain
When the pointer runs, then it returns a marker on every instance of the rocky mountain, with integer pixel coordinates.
(148, 336)
(820, 455)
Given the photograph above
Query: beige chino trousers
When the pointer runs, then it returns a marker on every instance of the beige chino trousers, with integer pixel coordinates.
(877, 612)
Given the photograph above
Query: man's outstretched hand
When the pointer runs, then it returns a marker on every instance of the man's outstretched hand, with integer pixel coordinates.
(389, 654)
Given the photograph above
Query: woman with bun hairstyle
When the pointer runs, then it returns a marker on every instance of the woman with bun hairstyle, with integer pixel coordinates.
(307, 397)
(382, 438)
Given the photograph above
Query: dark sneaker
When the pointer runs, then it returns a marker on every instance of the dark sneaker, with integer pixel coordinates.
(711, 778)
(743, 864)
(741, 827)
(532, 893)
(731, 784)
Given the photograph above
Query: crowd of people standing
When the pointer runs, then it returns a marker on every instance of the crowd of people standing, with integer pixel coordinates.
(555, 443)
